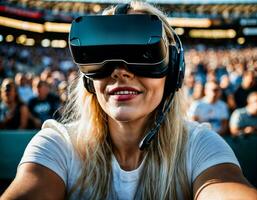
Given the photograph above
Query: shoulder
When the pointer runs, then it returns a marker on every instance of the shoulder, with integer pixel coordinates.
(241, 111)
(206, 148)
(52, 127)
(51, 147)
(53, 136)
(222, 103)
(202, 132)
(196, 129)
(33, 100)
(238, 113)
(53, 97)
(196, 105)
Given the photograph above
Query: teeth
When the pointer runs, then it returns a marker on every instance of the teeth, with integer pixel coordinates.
(125, 92)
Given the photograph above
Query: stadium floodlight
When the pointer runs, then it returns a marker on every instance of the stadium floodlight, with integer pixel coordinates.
(212, 33)
(57, 27)
(190, 22)
(250, 31)
(23, 25)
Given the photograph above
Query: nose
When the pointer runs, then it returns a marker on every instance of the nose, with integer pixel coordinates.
(121, 72)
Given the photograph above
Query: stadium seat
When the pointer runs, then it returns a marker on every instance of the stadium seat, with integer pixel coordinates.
(12, 146)
(245, 149)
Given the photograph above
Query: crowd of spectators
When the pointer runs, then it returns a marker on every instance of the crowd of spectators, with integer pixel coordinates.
(220, 86)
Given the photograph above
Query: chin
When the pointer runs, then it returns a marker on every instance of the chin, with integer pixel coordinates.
(126, 115)
(123, 117)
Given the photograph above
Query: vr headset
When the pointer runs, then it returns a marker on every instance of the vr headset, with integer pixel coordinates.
(99, 43)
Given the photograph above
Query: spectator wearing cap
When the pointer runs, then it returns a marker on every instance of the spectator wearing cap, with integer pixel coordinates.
(244, 120)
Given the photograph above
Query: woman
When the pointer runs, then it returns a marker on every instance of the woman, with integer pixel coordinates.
(95, 154)
(13, 113)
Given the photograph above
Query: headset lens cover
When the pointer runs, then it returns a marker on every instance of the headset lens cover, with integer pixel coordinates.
(136, 40)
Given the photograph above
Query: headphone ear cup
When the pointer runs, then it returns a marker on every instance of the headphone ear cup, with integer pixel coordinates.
(122, 8)
(88, 84)
(181, 69)
(176, 71)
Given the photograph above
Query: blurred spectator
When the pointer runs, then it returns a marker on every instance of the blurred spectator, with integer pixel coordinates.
(24, 89)
(189, 84)
(201, 72)
(62, 91)
(44, 104)
(244, 120)
(13, 113)
(227, 94)
(247, 86)
(198, 92)
(211, 75)
(225, 65)
(3, 73)
(211, 109)
(235, 74)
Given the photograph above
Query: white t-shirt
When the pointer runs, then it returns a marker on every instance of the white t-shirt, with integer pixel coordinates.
(213, 113)
(52, 148)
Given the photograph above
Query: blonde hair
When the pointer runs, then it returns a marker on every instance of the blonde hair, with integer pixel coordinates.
(165, 163)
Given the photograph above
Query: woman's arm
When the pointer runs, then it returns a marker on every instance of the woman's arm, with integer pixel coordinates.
(35, 182)
(223, 182)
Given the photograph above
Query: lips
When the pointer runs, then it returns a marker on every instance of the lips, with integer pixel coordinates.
(124, 93)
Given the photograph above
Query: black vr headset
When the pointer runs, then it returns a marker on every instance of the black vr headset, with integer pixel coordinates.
(100, 43)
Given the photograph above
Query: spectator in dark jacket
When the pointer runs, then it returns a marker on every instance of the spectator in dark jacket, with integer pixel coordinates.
(44, 104)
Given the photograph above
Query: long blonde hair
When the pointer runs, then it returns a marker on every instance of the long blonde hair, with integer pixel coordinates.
(165, 163)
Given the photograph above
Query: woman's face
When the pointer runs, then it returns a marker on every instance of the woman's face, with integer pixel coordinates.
(126, 97)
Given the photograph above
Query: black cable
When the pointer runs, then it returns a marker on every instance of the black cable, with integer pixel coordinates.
(145, 142)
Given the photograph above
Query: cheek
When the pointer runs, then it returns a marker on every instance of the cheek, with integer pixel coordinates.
(155, 89)
(155, 85)
(100, 91)
(99, 87)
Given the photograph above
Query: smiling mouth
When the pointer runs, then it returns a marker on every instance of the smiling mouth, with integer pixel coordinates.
(125, 92)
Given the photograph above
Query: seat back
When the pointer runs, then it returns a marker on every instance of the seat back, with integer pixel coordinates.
(245, 149)
(12, 146)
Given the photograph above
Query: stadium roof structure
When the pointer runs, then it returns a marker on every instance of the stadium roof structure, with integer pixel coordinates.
(213, 19)
(66, 10)
(167, 1)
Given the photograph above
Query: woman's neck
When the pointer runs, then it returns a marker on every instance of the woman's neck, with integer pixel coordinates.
(126, 137)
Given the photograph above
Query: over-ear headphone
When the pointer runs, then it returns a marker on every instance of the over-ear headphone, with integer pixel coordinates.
(88, 84)
(176, 72)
